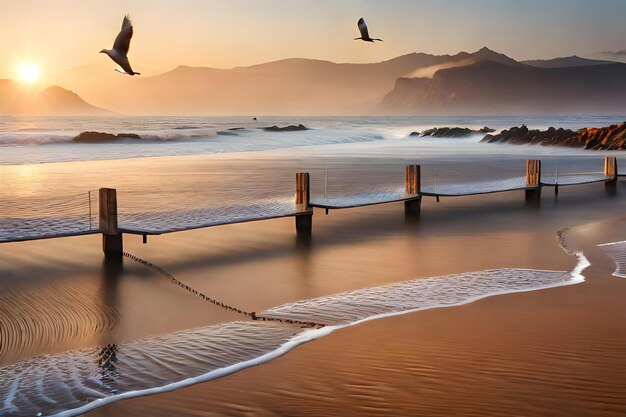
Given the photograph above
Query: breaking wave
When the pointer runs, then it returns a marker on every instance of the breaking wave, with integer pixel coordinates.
(46, 139)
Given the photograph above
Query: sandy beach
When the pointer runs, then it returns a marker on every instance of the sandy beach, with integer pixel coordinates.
(532, 353)
(312, 208)
(544, 353)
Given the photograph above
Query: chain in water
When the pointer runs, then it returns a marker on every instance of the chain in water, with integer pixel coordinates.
(560, 237)
(205, 297)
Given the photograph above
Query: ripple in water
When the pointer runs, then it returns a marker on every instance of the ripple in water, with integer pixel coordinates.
(75, 382)
(617, 252)
(29, 321)
(420, 294)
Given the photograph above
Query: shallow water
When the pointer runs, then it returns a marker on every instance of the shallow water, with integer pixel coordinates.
(168, 194)
(77, 381)
(55, 384)
(63, 308)
(543, 353)
(617, 252)
(259, 267)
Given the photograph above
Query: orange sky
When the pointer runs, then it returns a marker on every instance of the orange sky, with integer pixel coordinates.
(61, 34)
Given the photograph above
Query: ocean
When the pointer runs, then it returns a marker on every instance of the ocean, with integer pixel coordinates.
(79, 333)
(175, 136)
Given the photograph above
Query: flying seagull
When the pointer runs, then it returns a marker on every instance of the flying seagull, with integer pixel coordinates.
(365, 36)
(120, 47)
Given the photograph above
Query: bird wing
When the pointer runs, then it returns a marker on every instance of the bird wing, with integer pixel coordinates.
(122, 41)
(363, 28)
(123, 62)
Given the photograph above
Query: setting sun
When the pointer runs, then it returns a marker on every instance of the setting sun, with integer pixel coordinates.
(28, 73)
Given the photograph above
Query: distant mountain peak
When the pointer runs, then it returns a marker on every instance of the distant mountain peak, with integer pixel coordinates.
(15, 99)
(485, 53)
(55, 89)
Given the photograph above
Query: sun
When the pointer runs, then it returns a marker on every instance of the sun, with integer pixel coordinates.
(28, 73)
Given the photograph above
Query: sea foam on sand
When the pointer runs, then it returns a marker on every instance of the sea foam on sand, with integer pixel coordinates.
(75, 382)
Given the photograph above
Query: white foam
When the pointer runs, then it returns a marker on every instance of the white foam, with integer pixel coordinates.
(7, 404)
(424, 293)
(304, 337)
(617, 252)
(557, 278)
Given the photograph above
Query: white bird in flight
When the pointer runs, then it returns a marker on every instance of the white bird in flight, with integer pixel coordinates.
(365, 36)
(120, 47)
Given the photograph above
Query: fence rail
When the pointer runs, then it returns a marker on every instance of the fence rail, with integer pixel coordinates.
(103, 211)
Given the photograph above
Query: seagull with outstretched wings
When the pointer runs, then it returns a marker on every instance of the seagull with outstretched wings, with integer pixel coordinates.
(120, 48)
(365, 36)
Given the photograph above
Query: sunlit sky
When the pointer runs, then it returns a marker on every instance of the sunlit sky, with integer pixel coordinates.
(59, 34)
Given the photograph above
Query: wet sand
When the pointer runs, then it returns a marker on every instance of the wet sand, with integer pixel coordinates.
(551, 352)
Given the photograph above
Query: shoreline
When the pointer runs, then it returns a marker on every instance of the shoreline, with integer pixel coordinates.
(335, 132)
(310, 335)
(296, 364)
(360, 248)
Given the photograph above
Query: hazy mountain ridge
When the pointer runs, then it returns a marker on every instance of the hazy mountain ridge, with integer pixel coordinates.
(482, 82)
(17, 99)
(289, 86)
(568, 61)
(488, 87)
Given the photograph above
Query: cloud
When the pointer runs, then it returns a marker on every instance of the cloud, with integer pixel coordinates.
(614, 53)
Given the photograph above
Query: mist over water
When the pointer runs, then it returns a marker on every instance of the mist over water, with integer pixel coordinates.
(170, 136)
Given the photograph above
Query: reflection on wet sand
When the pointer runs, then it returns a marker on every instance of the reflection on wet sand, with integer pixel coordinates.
(108, 308)
(34, 319)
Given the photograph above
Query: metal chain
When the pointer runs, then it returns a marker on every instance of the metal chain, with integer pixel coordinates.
(250, 314)
(560, 237)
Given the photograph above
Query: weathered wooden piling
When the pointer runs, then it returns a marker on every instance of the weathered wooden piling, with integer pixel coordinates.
(610, 170)
(533, 181)
(304, 220)
(412, 186)
(112, 242)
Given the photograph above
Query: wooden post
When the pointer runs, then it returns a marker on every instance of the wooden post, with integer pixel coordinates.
(412, 179)
(304, 221)
(112, 244)
(610, 167)
(610, 170)
(412, 186)
(533, 181)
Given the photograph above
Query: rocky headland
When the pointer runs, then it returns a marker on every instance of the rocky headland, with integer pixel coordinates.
(602, 138)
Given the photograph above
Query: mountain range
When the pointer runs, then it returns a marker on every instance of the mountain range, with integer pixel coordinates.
(482, 82)
(570, 85)
(18, 99)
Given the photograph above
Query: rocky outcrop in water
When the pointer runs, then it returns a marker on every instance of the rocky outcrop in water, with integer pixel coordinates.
(611, 138)
(451, 132)
(604, 138)
(290, 128)
(102, 137)
(524, 136)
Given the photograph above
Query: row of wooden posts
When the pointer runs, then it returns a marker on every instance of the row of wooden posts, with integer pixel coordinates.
(112, 241)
